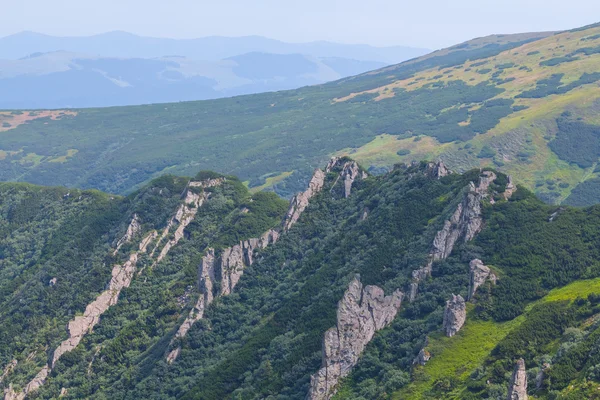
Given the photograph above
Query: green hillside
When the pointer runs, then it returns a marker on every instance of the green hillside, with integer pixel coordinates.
(525, 104)
(61, 248)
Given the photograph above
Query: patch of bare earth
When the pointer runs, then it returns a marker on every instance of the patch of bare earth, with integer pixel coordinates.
(10, 119)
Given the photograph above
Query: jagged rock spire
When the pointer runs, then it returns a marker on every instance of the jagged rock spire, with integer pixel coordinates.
(455, 315)
(360, 313)
(517, 390)
(479, 273)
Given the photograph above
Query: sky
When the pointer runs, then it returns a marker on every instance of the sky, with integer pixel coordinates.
(431, 24)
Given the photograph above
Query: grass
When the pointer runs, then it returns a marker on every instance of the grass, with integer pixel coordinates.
(63, 159)
(270, 182)
(458, 356)
(383, 150)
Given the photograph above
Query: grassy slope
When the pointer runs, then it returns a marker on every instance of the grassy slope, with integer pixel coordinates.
(529, 130)
(259, 137)
(457, 357)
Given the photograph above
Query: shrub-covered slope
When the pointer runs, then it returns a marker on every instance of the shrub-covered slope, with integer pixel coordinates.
(525, 104)
(416, 230)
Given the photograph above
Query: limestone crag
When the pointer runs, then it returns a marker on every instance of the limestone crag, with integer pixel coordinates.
(437, 170)
(510, 188)
(349, 171)
(479, 274)
(300, 201)
(455, 315)
(121, 278)
(206, 281)
(360, 313)
(466, 222)
(132, 230)
(228, 268)
(32, 386)
(517, 390)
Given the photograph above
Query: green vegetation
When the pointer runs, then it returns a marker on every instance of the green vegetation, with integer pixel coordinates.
(274, 140)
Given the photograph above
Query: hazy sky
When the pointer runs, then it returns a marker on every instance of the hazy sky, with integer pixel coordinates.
(423, 23)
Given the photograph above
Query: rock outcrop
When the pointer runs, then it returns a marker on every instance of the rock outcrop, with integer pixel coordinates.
(455, 315)
(510, 188)
(361, 313)
(121, 277)
(422, 357)
(517, 390)
(437, 170)
(32, 386)
(228, 269)
(349, 171)
(479, 274)
(465, 223)
(300, 201)
(132, 230)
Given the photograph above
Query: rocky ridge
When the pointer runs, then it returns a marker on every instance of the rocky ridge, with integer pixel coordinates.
(465, 223)
(517, 390)
(360, 313)
(229, 268)
(121, 277)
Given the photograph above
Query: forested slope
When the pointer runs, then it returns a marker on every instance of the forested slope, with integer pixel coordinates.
(420, 283)
(524, 104)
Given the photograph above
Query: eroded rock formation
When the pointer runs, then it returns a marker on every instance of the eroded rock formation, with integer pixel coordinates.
(361, 313)
(517, 389)
(121, 277)
(228, 268)
(422, 357)
(132, 230)
(479, 274)
(465, 223)
(349, 171)
(437, 170)
(455, 315)
(300, 201)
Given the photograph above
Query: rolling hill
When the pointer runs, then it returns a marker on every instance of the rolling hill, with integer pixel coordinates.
(526, 104)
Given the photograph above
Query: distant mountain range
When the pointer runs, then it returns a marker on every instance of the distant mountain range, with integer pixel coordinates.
(213, 48)
(63, 79)
(118, 68)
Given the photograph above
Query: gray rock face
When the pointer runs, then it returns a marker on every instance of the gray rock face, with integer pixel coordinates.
(422, 357)
(437, 170)
(466, 222)
(510, 188)
(299, 202)
(478, 276)
(121, 277)
(517, 390)
(361, 313)
(132, 230)
(455, 315)
(228, 268)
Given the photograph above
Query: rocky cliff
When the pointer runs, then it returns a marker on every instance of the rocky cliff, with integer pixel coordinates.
(226, 269)
(360, 313)
(517, 389)
(121, 277)
(455, 315)
(465, 223)
(479, 274)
